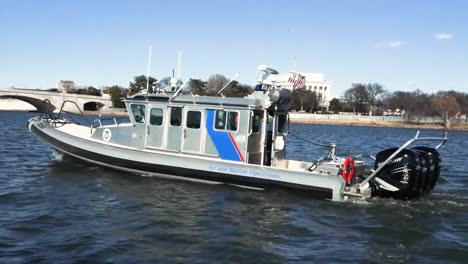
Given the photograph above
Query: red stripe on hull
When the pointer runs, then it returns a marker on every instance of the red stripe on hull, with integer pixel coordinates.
(237, 148)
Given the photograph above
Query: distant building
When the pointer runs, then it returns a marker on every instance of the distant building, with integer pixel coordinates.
(106, 92)
(107, 89)
(314, 82)
(66, 86)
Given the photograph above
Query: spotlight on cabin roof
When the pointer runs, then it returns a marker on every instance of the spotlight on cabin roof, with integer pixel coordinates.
(265, 69)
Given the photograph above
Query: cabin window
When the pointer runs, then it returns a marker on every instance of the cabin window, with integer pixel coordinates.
(233, 121)
(226, 120)
(176, 116)
(282, 124)
(256, 121)
(138, 111)
(193, 119)
(156, 116)
(220, 122)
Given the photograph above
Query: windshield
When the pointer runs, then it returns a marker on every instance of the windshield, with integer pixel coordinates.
(138, 112)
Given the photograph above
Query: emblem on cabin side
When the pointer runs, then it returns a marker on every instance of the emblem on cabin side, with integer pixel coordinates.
(106, 134)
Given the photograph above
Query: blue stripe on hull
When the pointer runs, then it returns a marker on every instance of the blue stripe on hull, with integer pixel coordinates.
(221, 140)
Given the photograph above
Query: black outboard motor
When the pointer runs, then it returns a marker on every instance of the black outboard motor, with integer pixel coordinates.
(433, 164)
(413, 171)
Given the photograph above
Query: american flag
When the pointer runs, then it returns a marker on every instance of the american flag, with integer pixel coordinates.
(297, 80)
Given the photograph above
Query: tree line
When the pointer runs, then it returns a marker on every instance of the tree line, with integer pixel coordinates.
(209, 87)
(302, 99)
(361, 98)
(372, 99)
(90, 90)
(305, 100)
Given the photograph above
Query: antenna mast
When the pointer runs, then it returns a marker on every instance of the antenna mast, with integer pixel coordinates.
(178, 65)
(179, 89)
(149, 67)
(226, 85)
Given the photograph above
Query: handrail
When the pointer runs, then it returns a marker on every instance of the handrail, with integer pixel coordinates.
(76, 105)
(63, 104)
(409, 142)
(46, 102)
(48, 113)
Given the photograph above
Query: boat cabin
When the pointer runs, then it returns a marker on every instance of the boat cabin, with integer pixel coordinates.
(231, 129)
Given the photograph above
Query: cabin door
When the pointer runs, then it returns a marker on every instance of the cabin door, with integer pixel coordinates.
(155, 128)
(280, 130)
(255, 140)
(192, 130)
(174, 129)
(138, 114)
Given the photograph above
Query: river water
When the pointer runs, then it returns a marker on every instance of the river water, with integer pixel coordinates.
(57, 211)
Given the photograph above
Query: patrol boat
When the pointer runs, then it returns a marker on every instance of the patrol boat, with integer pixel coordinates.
(238, 141)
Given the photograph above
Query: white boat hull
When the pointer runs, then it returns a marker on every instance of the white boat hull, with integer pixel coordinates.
(188, 167)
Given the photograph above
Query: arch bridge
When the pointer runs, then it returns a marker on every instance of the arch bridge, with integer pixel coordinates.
(36, 98)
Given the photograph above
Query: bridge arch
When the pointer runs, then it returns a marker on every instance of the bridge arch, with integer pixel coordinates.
(36, 99)
(92, 106)
(39, 104)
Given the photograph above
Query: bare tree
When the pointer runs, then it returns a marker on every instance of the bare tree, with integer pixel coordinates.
(140, 83)
(165, 82)
(373, 95)
(237, 89)
(356, 96)
(416, 104)
(462, 99)
(196, 86)
(335, 105)
(304, 100)
(215, 83)
(448, 107)
(422, 105)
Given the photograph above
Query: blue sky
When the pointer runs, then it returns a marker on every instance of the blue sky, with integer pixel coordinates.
(404, 45)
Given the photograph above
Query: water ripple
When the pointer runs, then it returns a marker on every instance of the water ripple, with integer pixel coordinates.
(55, 210)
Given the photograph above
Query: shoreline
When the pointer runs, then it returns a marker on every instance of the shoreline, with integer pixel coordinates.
(389, 124)
(363, 123)
(85, 112)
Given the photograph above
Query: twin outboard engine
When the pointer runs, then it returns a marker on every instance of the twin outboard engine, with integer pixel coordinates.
(413, 171)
